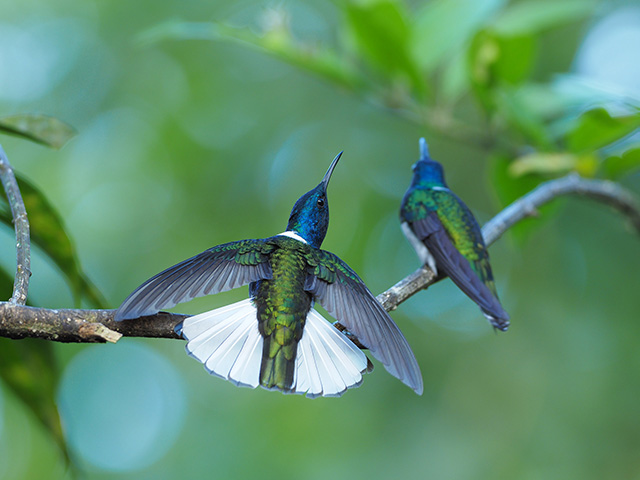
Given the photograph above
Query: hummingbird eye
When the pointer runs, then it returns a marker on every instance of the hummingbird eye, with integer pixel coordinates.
(321, 202)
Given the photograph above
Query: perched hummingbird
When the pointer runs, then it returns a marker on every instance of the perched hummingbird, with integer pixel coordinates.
(275, 338)
(447, 237)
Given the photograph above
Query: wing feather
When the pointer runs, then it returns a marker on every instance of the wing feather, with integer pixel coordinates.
(340, 291)
(452, 263)
(218, 269)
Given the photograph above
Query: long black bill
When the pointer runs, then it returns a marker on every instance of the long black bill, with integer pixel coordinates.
(327, 176)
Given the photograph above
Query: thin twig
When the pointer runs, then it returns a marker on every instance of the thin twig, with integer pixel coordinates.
(21, 224)
(98, 325)
(605, 191)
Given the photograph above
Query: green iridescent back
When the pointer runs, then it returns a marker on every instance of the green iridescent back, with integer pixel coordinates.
(459, 223)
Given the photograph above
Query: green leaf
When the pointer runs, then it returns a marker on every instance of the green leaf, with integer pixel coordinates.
(597, 128)
(541, 162)
(497, 63)
(617, 166)
(495, 60)
(520, 115)
(534, 16)
(41, 129)
(6, 284)
(28, 368)
(509, 188)
(443, 27)
(280, 44)
(381, 34)
(554, 163)
(515, 60)
(48, 232)
(455, 79)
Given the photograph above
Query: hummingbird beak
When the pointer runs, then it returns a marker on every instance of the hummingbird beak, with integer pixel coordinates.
(424, 149)
(327, 176)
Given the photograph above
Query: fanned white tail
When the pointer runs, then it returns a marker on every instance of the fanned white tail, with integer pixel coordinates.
(228, 343)
(327, 362)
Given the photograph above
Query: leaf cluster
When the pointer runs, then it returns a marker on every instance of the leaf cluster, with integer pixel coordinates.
(28, 367)
(431, 62)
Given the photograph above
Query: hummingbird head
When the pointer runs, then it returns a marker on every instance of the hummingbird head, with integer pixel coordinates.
(427, 172)
(310, 215)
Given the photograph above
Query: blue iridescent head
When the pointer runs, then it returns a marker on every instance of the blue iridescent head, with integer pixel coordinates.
(427, 172)
(310, 215)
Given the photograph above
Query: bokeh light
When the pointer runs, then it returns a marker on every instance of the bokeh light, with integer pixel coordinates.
(186, 144)
(122, 406)
(610, 56)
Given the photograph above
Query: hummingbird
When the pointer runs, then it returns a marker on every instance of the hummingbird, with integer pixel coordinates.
(446, 236)
(276, 338)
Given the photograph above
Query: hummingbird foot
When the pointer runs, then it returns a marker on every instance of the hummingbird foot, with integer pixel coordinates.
(349, 335)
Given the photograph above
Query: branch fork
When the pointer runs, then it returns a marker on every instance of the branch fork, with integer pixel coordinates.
(76, 325)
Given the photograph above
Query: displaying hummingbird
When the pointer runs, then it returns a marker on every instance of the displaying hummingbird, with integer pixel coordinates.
(447, 237)
(275, 338)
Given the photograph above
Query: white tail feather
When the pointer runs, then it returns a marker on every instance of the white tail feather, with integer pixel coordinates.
(327, 363)
(228, 343)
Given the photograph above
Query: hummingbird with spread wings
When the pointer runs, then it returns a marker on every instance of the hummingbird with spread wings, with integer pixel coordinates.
(276, 338)
(446, 236)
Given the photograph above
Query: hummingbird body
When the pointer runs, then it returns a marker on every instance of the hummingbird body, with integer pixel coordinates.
(282, 305)
(447, 237)
(275, 338)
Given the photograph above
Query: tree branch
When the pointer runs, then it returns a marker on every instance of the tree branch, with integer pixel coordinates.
(74, 325)
(21, 224)
(605, 191)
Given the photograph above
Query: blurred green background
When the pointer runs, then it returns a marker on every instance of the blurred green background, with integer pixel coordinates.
(191, 135)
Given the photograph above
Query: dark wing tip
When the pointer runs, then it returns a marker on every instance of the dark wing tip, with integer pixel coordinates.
(498, 323)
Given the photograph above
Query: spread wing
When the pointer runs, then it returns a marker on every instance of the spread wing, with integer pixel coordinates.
(215, 270)
(341, 292)
(452, 263)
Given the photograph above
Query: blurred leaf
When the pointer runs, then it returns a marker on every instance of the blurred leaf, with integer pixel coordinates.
(42, 129)
(482, 55)
(442, 28)
(455, 79)
(597, 128)
(495, 64)
(515, 58)
(28, 368)
(496, 60)
(520, 114)
(617, 166)
(534, 16)
(544, 163)
(48, 232)
(6, 284)
(381, 33)
(543, 101)
(509, 188)
(553, 163)
(315, 59)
